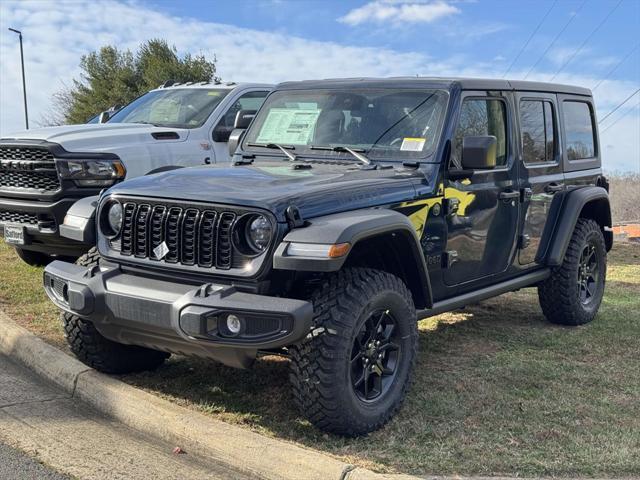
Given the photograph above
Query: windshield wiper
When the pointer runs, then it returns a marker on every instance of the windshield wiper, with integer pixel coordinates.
(356, 153)
(283, 148)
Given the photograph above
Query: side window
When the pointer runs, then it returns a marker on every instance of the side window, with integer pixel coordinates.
(537, 127)
(480, 117)
(248, 101)
(579, 130)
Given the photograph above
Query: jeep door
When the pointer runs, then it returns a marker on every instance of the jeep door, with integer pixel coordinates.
(482, 210)
(540, 170)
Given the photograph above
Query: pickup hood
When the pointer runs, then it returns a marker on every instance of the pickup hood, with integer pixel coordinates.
(321, 190)
(99, 137)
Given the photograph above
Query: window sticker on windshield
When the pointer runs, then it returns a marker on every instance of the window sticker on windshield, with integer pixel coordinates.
(213, 93)
(165, 110)
(412, 144)
(285, 125)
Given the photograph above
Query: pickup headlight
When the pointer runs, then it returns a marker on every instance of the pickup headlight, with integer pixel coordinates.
(91, 173)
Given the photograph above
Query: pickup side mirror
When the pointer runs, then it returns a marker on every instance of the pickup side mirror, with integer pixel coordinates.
(104, 117)
(243, 118)
(479, 153)
(221, 133)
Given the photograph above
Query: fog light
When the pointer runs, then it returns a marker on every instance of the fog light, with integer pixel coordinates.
(234, 325)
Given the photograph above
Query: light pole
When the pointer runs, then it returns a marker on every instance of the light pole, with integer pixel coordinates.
(24, 84)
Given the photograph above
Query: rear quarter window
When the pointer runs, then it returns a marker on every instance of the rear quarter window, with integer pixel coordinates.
(579, 130)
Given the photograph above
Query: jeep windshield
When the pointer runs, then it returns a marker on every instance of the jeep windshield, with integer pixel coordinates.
(175, 107)
(384, 123)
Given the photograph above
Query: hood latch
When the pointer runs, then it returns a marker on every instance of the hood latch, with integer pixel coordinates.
(294, 218)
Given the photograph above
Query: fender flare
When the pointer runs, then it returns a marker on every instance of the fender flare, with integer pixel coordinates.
(353, 227)
(573, 206)
(80, 224)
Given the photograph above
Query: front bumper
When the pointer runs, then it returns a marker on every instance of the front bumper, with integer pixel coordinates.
(174, 317)
(41, 228)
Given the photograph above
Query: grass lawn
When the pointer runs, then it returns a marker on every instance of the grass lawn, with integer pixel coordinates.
(498, 390)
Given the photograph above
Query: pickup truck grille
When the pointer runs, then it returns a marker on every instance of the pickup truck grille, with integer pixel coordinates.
(193, 236)
(25, 168)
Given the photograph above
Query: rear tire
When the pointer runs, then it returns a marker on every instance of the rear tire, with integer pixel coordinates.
(98, 352)
(352, 372)
(573, 293)
(35, 259)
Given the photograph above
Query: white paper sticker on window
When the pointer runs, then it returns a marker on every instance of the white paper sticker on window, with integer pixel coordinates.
(412, 144)
(288, 126)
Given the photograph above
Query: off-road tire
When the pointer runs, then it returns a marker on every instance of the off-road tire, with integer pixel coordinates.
(559, 295)
(35, 259)
(99, 352)
(321, 368)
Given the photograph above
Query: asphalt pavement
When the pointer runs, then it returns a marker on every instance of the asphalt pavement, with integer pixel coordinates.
(16, 465)
(68, 436)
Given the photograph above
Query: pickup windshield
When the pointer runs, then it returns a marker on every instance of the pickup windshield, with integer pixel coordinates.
(176, 107)
(385, 124)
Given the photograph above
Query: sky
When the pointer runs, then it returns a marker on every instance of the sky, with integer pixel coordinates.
(591, 43)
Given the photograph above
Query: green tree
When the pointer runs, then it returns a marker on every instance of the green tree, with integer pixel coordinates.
(114, 77)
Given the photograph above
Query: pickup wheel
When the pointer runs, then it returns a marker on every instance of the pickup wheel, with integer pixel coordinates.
(99, 352)
(351, 374)
(35, 259)
(573, 293)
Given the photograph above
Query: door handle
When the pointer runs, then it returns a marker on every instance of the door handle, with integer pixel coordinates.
(553, 187)
(509, 195)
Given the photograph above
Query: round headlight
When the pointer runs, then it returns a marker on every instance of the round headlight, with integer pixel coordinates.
(114, 218)
(259, 232)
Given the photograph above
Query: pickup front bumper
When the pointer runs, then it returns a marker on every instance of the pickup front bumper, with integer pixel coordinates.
(41, 221)
(177, 318)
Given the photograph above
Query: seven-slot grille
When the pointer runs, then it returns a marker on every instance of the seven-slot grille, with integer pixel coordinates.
(27, 168)
(192, 235)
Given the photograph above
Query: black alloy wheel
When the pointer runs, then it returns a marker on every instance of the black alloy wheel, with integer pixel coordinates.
(375, 356)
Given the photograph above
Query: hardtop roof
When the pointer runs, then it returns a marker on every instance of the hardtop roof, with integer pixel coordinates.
(436, 82)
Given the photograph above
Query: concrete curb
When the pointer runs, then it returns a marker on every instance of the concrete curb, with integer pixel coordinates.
(261, 456)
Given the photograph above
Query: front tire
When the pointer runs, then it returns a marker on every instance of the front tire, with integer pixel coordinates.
(573, 293)
(352, 372)
(96, 351)
(35, 259)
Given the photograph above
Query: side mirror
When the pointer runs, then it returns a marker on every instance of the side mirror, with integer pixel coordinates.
(479, 153)
(234, 139)
(221, 133)
(104, 117)
(243, 118)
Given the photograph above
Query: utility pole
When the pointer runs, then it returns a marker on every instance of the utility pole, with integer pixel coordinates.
(24, 83)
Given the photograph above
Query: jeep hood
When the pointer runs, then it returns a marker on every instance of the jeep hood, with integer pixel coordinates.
(99, 137)
(321, 190)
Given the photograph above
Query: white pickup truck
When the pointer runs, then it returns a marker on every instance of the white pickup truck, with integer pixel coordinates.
(43, 172)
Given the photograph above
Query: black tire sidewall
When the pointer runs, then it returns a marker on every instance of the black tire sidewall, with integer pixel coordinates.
(370, 412)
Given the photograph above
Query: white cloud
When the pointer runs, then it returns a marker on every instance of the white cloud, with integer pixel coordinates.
(56, 34)
(399, 12)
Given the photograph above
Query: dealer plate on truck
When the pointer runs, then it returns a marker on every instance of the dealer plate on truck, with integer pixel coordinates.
(14, 234)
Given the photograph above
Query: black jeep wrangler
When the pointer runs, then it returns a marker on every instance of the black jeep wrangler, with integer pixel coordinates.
(353, 209)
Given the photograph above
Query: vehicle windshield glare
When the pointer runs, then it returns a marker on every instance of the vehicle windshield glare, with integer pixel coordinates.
(176, 107)
(386, 124)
